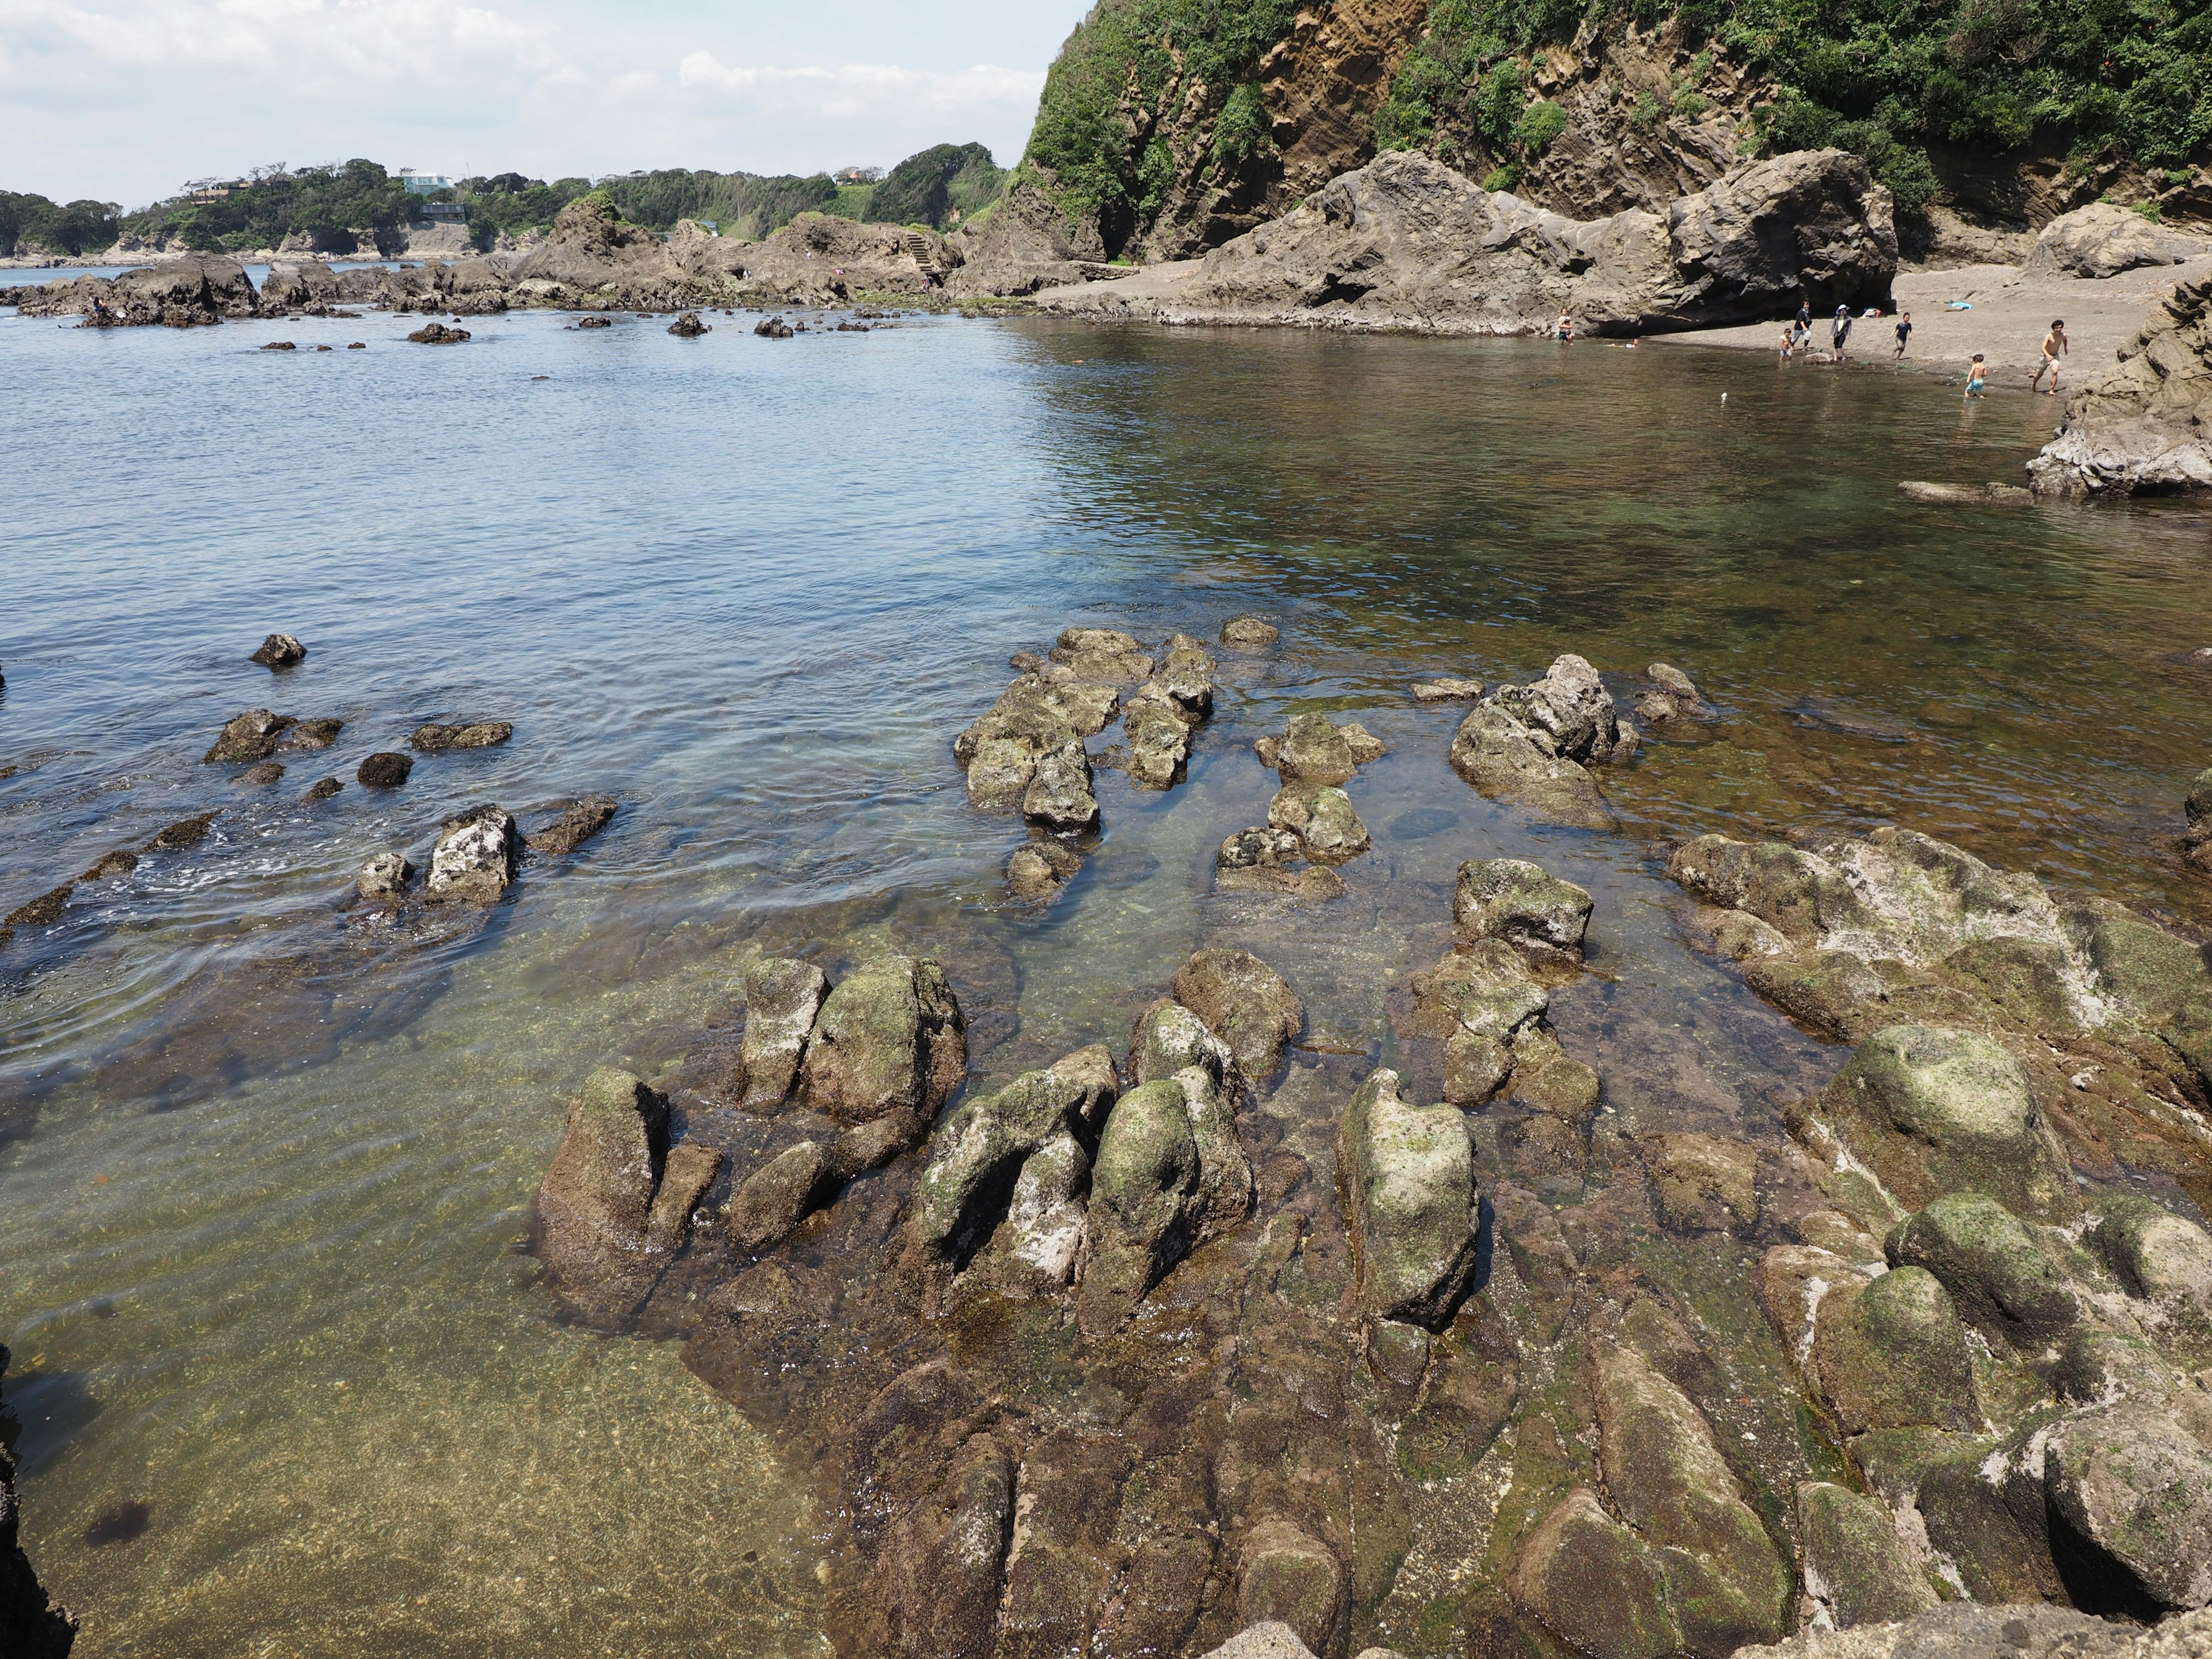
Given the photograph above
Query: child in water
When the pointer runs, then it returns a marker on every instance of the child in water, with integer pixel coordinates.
(1977, 372)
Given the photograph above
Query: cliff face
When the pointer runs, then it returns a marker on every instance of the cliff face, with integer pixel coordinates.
(2146, 426)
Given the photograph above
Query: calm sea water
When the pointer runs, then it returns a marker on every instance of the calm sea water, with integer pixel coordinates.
(284, 1381)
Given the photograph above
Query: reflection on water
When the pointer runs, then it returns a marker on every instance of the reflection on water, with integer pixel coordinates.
(285, 1382)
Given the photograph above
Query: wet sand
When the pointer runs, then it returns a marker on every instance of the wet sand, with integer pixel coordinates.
(2011, 313)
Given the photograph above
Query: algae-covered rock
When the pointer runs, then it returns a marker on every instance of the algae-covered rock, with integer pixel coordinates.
(774, 1198)
(1932, 1110)
(1547, 1078)
(1594, 1584)
(1245, 1003)
(1323, 818)
(1141, 1184)
(1856, 1567)
(1521, 902)
(2000, 1278)
(1703, 1183)
(2133, 1493)
(1727, 1583)
(889, 1041)
(1170, 1037)
(1313, 751)
(1285, 1576)
(1496, 754)
(596, 1196)
(1249, 633)
(1476, 1068)
(1405, 1179)
(1891, 1354)
(1038, 869)
(1047, 1218)
(782, 1000)
(1800, 896)
(1486, 989)
(1059, 794)
(2156, 1253)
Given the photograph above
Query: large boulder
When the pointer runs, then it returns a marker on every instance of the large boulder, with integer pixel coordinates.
(1890, 1353)
(1933, 1111)
(1856, 1566)
(596, 1200)
(1514, 899)
(1245, 1003)
(2133, 1493)
(2001, 1277)
(889, 1047)
(2144, 425)
(1406, 1180)
(2104, 240)
(30, 1626)
(782, 999)
(1405, 242)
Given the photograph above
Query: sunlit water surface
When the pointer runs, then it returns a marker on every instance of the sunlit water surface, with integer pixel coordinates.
(285, 1381)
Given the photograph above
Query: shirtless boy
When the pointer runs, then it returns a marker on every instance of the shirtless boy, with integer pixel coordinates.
(2054, 348)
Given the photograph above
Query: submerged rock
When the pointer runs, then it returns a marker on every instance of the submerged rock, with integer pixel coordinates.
(432, 738)
(776, 1197)
(1249, 633)
(279, 651)
(1448, 690)
(249, 737)
(267, 773)
(580, 820)
(110, 866)
(184, 832)
(1038, 869)
(596, 1199)
(321, 790)
(312, 734)
(32, 1625)
(2197, 809)
(43, 911)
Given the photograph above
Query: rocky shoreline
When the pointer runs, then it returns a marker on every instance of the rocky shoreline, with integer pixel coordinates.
(1198, 1340)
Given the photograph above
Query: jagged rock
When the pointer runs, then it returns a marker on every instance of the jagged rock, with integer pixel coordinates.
(688, 327)
(1855, 1565)
(184, 832)
(1249, 633)
(321, 790)
(2104, 240)
(1059, 794)
(1406, 1180)
(386, 769)
(474, 860)
(782, 1000)
(1448, 690)
(1891, 1354)
(1032, 716)
(1257, 848)
(279, 651)
(1159, 744)
(109, 866)
(1726, 1583)
(1521, 902)
(2000, 1276)
(1593, 1583)
(580, 820)
(260, 776)
(1286, 1577)
(1183, 679)
(1313, 751)
(1932, 1111)
(2143, 426)
(1246, 1003)
(983, 1149)
(1703, 1183)
(385, 877)
(776, 1197)
(1048, 1219)
(181, 293)
(1038, 869)
(438, 334)
(1323, 818)
(773, 328)
(2157, 1254)
(432, 740)
(889, 1047)
(1405, 242)
(597, 1197)
(1504, 759)
(249, 737)
(2135, 1491)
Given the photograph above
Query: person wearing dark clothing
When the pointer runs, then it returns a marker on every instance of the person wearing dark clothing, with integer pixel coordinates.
(1839, 330)
(1904, 333)
(1805, 316)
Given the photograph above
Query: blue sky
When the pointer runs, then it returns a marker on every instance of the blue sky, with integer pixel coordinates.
(124, 100)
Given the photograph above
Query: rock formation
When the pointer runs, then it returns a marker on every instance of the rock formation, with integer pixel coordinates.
(1407, 243)
(30, 1626)
(2103, 239)
(1533, 745)
(2144, 425)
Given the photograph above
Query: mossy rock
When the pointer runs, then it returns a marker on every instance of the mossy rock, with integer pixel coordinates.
(1406, 1178)
(1890, 1352)
(1793, 891)
(2156, 1253)
(1856, 1564)
(2130, 1497)
(1932, 1110)
(1515, 900)
(1595, 1584)
(2029, 979)
(2000, 1278)
(1146, 1171)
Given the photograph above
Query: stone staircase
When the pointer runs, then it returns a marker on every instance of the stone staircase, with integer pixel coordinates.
(917, 245)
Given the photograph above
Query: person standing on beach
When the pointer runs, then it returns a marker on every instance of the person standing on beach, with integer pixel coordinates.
(1839, 331)
(2054, 348)
(1804, 316)
(1904, 333)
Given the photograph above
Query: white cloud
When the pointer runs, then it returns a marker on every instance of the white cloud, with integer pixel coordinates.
(381, 39)
(853, 89)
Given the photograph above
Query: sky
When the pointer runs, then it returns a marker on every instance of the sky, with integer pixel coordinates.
(124, 101)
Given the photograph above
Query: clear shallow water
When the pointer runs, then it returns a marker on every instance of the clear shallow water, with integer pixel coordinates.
(266, 1180)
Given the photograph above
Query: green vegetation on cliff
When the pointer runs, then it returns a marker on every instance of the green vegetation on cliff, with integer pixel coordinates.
(31, 224)
(333, 207)
(1887, 78)
(942, 185)
(1128, 71)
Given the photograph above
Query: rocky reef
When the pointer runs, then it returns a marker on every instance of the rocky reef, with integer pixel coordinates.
(2142, 427)
(30, 1626)
(1407, 243)
(1210, 1336)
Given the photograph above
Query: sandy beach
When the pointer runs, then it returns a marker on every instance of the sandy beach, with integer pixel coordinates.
(2009, 315)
